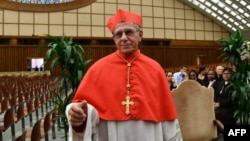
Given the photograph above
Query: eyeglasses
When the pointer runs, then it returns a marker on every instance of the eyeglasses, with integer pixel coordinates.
(128, 32)
(170, 75)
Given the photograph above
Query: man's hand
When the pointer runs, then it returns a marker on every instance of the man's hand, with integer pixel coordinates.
(77, 113)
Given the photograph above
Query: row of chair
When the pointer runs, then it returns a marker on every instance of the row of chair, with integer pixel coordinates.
(23, 99)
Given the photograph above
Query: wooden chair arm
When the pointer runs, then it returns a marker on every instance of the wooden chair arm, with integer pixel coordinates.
(219, 125)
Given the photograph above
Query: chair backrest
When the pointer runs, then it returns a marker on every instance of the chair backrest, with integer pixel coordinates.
(8, 119)
(36, 134)
(47, 122)
(194, 105)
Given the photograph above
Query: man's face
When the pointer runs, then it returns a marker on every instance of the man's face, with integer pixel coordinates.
(127, 37)
(219, 70)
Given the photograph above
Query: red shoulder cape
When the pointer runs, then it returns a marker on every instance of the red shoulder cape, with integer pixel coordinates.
(104, 87)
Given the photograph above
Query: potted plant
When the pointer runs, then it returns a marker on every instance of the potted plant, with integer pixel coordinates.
(69, 56)
(236, 52)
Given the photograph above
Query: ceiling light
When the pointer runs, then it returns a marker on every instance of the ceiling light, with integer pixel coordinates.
(202, 6)
(227, 9)
(233, 13)
(243, 3)
(235, 6)
(208, 10)
(241, 10)
(226, 16)
(228, 2)
(234, 29)
(221, 4)
(248, 25)
(208, 4)
(241, 27)
(219, 18)
(246, 14)
(225, 22)
(220, 12)
(231, 20)
(238, 17)
(229, 25)
(215, 1)
(214, 14)
(236, 23)
(214, 8)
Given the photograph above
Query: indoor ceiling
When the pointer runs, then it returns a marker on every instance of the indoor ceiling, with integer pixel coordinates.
(231, 14)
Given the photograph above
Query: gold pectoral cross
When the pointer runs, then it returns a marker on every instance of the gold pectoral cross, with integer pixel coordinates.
(127, 103)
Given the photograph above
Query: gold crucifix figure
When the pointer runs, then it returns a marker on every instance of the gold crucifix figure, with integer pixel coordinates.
(127, 103)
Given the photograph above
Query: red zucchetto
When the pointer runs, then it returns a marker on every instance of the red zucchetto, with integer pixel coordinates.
(123, 16)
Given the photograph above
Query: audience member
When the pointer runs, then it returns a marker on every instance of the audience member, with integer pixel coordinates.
(202, 76)
(211, 78)
(219, 70)
(171, 81)
(223, 103)
(181, 75)
(192, 75)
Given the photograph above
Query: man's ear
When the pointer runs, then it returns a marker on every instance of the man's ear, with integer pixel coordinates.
(141, 35)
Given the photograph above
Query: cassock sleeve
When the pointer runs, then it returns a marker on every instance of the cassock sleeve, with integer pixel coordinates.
(91, 127)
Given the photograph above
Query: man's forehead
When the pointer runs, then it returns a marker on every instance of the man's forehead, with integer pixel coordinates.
(124, 25)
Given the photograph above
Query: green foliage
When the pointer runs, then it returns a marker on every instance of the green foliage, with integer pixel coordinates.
(236, 52)
(69, 57)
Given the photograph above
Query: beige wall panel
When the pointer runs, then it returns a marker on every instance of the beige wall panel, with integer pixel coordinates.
(158, 12)
(1, 16)
(56, 18)
(225, 35)
(216, 27)
(190, 35)
(26, 17)
(56, 30)
(198, 16)
(1, 29)
(209, 35)
(158, 3)
(84, 31)
(98, 20)
(123, 6)
(158, 23)
(70, 18)
(11, 29)
(178, 4)
(110, 8)
(189, 24)
(123, 1)
(97, 31)
(86, 9)
(208, 26)
(147, 2)
(180, 34)
(137, 2)
(84, 19)
(179, 13)
(159, 33)
(148, 33)
(169, 12)
(70, 30)
(217, 35)
(71, 11)
(169, 23)
(189, 14)
(170, 34)
(113, 1)
(10, 16)
(199, 25)
(97, 8)
(107, 33)
(200, 35)
(180, 24)
(26, 30)
(41, 30)
(135, 8)
(169, 3)
(147, 22)
(147, 11)
(41, 18)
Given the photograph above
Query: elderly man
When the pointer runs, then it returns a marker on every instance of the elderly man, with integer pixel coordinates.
(125, 95)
